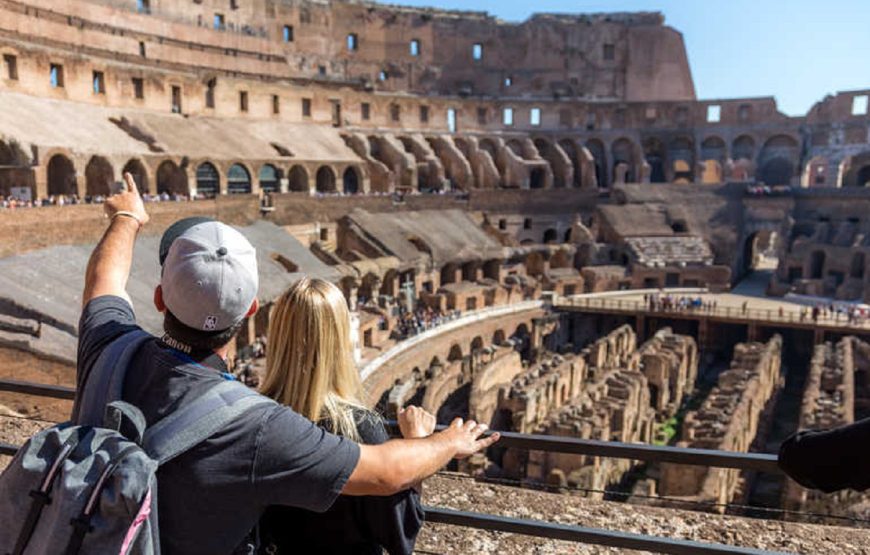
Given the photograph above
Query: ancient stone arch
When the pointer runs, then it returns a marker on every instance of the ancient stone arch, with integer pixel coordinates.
(270, 178)
(208, 180)
(815, 172)
(61, 176)
(599, 156)
(238, 180)
(171, 179)
(455, 353)
(681, 153)
(743, 148)
(325, 180)
(777, 160)
(856, 170)
(298, 179)
(351, 181)
(713, 148)
(99, 175)
(139, 171)
(656, 157)
(7, 157)
(623, 162)
(571, 149)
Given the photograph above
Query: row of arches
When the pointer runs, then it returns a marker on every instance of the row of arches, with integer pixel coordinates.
(676, 159)
(170, 178)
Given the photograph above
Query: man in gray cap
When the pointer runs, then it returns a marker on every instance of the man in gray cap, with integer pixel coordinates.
(212, 496)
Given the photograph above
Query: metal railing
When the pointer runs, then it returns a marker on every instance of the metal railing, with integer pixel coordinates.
(542, 529)
(759, 462)
(789, 317)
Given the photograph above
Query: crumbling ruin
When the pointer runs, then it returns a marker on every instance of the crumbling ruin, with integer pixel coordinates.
(728, 420)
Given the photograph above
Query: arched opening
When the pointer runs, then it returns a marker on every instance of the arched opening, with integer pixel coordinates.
(858, 266)
(207, 180)
(654, 154)
(61, 176)
(476, 344)
(522, 340)
(537, 178)
(488, 146)
(760, 251)
(857, 171)
(455, 353)
(498, 338)
(238, 180)
(516, 147)
(777, 160)
(551, 236)
(777, 171)
(682, 155)
(596, 149)
(455, 406)
(448, 273)
(743, 148)
(817, 264)
(492, 269)
(470, 271)
(297, 180)
(171, 179)
(350, 181)
(7, 157)
(325, 180)
(570, 148)
(270, 178)
(713, 148)
(623, 158)
(137, 169)
(99, 175)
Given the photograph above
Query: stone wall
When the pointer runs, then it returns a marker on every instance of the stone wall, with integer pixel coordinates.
(612, 391)
(837, 371)
(727, 420)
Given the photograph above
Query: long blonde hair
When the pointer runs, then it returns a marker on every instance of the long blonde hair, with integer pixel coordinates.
(309, 363)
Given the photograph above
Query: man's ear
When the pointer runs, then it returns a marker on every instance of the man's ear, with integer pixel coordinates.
(158, 299)
(255, 306)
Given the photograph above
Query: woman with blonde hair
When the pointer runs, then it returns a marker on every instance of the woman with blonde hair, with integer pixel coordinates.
(310, 368)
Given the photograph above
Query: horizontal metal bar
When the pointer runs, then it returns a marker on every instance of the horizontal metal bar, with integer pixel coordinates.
(42, 390)
(761, 462)
(594, 536)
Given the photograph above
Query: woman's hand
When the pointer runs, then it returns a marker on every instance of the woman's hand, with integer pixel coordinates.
(415, 422)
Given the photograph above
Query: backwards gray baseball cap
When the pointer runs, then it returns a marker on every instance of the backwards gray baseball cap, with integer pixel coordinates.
(209, 277)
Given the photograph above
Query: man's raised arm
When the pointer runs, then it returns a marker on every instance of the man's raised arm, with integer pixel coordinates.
(109, 265)
(397, 465)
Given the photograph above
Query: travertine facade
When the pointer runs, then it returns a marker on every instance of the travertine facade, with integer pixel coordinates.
(727, 420)
(305, 96)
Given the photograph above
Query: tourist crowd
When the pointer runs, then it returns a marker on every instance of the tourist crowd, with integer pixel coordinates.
(12, 202)
(422, 319)
(838, 312)
(851, 314)
(659, 302)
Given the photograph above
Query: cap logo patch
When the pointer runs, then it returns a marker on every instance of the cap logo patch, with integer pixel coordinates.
(210, 323)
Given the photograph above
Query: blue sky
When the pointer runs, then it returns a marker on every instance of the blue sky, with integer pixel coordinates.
(795, 50)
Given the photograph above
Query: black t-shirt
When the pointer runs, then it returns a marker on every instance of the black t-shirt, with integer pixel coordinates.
(829, 460)
(210, 497)
(353, 525)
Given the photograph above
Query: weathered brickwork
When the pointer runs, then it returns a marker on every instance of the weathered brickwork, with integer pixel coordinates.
(727, 420)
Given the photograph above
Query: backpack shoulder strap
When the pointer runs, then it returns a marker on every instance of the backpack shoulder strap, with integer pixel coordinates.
(199, 420)
(105, 381)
